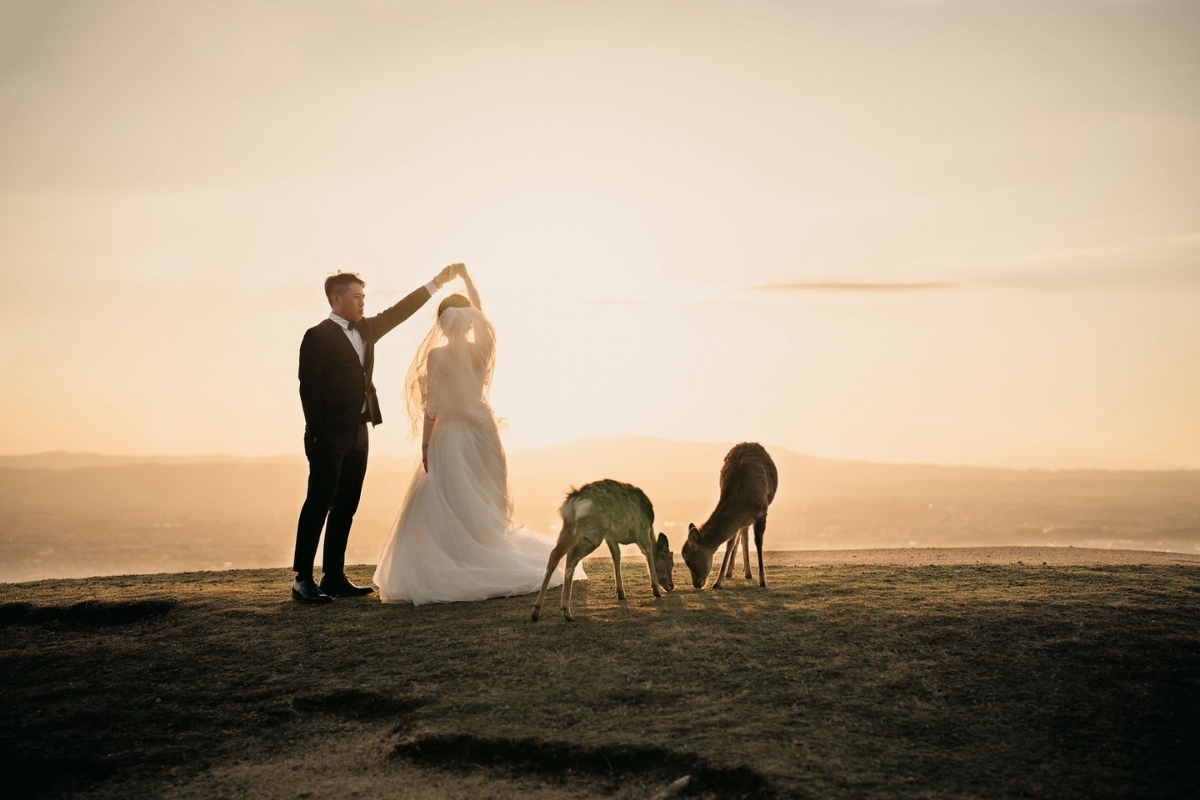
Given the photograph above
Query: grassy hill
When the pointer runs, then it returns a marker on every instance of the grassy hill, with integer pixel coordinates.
(835, 681)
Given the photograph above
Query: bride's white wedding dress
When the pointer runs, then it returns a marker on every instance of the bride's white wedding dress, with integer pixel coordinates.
(454, 538)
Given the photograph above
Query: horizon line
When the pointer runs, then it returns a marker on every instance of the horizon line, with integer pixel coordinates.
(212, 458)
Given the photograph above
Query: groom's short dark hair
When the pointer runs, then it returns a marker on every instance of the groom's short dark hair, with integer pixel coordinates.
(338, 282)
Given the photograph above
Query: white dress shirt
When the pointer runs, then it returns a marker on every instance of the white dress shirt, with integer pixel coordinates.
(356, 338)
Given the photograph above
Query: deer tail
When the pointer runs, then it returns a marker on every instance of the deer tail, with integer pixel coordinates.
(575, 509)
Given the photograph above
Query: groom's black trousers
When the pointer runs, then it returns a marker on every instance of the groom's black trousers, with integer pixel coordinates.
(335, 477)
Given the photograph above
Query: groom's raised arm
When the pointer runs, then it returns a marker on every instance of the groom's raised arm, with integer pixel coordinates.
(384, 321)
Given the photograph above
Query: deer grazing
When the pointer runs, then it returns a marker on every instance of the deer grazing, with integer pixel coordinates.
(748, 483)
(615, 513)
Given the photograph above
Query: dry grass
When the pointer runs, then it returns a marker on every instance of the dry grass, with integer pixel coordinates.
(879, 681)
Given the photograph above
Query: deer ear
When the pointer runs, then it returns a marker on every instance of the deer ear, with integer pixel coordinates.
(693, 534)
(663, 544)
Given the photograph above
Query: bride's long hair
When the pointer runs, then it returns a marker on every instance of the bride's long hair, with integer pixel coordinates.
(466, 334)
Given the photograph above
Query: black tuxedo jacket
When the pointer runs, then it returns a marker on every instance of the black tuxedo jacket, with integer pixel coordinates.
(334, 386)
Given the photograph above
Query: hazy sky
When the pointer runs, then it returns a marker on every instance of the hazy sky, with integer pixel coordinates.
(951, 232)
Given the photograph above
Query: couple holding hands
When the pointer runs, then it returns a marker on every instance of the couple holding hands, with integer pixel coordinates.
(453, 538)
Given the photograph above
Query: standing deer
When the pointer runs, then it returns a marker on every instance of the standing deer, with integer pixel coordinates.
(748, 483)
(615, 513)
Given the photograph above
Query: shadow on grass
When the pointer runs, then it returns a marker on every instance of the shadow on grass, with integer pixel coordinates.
(612, 763)
(29, 776)
(85, 614)
(356, 705)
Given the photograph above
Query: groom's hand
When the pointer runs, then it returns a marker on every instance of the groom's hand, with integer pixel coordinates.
(445, 276)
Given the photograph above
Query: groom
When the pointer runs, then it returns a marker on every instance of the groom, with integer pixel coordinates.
(337, 359)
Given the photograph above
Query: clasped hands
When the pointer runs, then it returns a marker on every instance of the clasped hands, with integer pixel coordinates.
(450, 273)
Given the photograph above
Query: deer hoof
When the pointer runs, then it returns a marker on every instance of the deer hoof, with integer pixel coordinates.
(536, 613)
(620, 595)
(567, 615)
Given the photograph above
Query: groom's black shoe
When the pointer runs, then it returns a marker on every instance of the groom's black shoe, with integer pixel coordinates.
(304, 590)
(340, 586)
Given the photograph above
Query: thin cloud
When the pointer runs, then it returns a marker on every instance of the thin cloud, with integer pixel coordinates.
(1150, 262)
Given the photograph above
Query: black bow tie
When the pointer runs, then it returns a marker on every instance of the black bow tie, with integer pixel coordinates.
(352, 325)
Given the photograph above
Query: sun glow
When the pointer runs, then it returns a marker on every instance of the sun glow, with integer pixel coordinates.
(689, 221)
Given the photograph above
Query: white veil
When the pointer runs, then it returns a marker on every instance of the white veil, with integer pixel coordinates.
(454, 538)
(462, 348)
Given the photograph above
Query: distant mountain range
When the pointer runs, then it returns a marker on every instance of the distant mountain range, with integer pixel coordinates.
(641, 455)
(88, 514)
(679, 477)
(59, 460)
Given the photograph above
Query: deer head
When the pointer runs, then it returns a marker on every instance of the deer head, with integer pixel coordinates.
(697, 557)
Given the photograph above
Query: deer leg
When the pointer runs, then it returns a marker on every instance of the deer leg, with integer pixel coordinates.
(565, 540)
(560, 549)
(615, 549)
(729, 549)
(733, 543)
(654, 584)
(573, 558)
(760, 527)
(745, 534)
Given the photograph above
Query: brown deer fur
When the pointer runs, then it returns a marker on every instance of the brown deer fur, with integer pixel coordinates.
(614, 513)
(748, 483)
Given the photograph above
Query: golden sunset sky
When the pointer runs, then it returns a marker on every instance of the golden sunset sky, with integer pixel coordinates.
(945, 232)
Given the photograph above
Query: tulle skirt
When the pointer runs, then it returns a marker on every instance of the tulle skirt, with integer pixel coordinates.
(453, 539)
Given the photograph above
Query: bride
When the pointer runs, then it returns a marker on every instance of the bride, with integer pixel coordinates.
(454, 538)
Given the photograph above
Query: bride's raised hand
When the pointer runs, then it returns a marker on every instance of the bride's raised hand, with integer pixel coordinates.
(472, 292)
